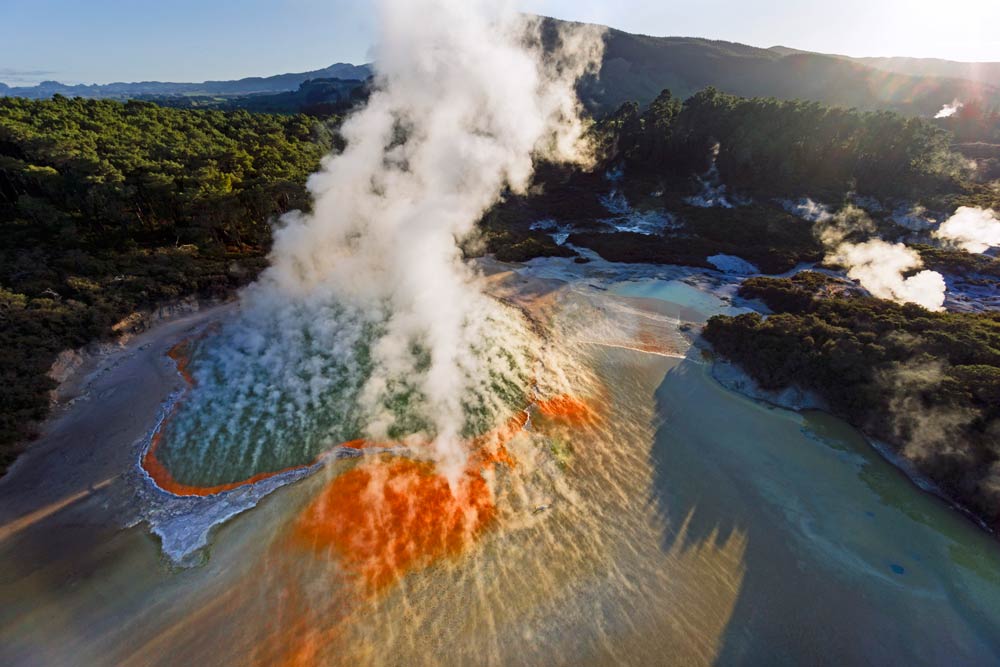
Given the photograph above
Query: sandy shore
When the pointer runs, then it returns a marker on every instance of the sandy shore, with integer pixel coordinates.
(90, 443)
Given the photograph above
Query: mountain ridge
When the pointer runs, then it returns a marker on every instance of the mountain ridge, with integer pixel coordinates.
(637, 67)
(276, 83)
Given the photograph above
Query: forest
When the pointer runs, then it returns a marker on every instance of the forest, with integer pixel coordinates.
(770, 147)
(762, 150)
(107, 207)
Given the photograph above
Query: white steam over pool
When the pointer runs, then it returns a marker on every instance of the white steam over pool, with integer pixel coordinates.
(367, 304)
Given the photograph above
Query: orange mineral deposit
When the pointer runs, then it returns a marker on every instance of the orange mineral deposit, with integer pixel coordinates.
(181, 356)
(567, 409)
(387, 517)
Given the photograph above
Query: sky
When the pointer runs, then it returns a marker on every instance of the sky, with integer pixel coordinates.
(100, 41)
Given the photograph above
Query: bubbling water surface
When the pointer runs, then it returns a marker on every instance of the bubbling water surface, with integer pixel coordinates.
(275, 390)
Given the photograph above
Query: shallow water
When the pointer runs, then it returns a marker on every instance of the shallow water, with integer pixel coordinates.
(847, 562)
(685, 301)
(682, 524)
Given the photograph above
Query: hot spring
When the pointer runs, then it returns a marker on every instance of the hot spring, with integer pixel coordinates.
(388, 454)
(273, 391)
(632, 509)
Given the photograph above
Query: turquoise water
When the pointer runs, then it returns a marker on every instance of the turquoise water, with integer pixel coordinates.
(276, 387)
(847, 561)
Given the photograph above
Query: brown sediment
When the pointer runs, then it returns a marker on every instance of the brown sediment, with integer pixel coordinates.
(13, 527)
(305, 622)
(388, 517)
(384, 518)
(646, 348)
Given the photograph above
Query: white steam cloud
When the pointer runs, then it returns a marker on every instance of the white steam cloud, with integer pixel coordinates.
(465, 100)
(880, 266)
(949, 110)
(972, 229)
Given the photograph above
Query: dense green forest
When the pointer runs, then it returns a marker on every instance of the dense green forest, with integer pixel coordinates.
(108, 207)
(927, 383)
(786, 148)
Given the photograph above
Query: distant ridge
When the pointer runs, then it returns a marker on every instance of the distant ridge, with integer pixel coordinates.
(249, 86)
(988, 73)
(982, 72)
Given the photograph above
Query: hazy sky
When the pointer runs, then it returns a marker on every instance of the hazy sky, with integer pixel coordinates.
(192, 40)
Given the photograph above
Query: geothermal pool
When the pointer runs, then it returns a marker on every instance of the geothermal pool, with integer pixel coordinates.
(652, 517)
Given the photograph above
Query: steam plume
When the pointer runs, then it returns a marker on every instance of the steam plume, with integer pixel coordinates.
(465, 99)
(879, 266)
(972, 229)
(949, 110)
(809, 210)
(926, 431)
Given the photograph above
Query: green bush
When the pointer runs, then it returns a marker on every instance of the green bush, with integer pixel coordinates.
(903, 374)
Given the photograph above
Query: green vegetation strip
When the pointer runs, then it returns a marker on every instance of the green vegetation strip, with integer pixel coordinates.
(926, 383)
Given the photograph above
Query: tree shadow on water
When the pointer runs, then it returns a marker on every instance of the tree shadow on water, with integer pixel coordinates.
(769, 525)
(696, 496)
(705, 456)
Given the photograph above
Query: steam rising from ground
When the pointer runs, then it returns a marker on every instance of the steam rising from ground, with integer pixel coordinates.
(926, 432)
(713, 190)
(949, 110)
(367, 295)
(879, 266)
(972, 229)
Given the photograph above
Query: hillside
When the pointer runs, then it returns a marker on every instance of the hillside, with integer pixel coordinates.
(986, 73)
(638, 67)
(315, 97)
